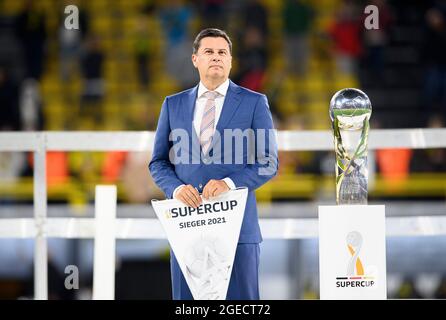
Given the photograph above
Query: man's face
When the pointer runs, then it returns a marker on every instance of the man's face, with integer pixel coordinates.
(213, 59)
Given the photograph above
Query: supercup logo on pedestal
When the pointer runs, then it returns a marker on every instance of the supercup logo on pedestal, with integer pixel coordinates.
(355, 276)
(204, 240)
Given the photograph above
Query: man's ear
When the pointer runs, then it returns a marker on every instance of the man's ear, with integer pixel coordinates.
(194, 60)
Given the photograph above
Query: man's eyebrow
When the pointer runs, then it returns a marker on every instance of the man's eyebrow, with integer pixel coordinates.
(215, 49)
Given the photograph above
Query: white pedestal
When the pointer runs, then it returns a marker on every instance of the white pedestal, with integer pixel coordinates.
(352, 252)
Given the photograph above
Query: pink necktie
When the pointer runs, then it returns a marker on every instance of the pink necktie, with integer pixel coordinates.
(208, 121)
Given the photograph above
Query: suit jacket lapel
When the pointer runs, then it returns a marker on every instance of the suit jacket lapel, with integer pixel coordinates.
(189, 108)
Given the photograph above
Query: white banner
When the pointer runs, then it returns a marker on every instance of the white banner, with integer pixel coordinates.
(352, 252)
(204, 240)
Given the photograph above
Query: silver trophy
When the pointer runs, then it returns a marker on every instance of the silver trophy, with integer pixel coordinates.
(350, 111)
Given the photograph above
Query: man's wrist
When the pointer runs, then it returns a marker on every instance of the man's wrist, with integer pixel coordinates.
(176, 190)
(230, 183)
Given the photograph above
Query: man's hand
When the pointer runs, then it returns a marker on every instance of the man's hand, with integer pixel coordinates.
(189, 196)
(214, 188)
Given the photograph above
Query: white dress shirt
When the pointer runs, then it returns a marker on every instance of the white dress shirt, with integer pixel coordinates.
(201, 103)
(198, 116)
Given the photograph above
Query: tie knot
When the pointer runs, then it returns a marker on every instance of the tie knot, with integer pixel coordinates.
(211, 95)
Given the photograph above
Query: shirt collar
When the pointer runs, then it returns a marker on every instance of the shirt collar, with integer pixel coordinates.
(221, 89)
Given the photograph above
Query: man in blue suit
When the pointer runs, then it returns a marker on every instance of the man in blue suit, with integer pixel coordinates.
(196, 151)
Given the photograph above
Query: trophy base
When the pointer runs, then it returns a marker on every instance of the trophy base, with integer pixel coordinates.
(353, 190)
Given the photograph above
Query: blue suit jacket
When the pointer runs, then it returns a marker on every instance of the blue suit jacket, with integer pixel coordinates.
(242, 109)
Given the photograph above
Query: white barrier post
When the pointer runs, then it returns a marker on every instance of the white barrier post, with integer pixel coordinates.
(104, 243)
(40, 216)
